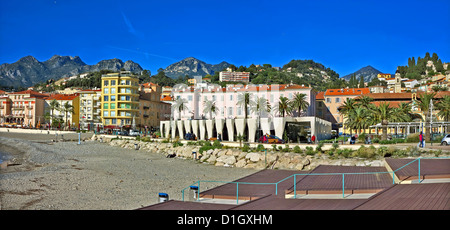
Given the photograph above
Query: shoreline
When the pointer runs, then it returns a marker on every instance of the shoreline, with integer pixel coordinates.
(93, 175)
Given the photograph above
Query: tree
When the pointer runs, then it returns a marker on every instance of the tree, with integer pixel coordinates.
(361, 82)
(210, 107)
(299, 102)
(180, 105)
(53, 105)
(383, 113)
(67, 108)
(424, 102)
(244, 101)
(283, 106)
(444, 108)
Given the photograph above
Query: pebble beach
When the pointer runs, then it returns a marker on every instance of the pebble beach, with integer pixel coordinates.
(47, 175)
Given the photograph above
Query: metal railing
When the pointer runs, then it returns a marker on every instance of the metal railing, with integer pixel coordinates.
(309, 174)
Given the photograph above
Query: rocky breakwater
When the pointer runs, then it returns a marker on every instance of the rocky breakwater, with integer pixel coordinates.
(235, 157)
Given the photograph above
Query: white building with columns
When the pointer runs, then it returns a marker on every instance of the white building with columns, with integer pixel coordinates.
(228, 118)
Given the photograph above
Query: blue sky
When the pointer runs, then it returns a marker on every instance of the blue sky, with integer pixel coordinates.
(342, 35)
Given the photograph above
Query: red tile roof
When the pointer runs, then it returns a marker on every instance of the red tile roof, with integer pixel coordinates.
(63, 97)
(31, 93)
(351, 91)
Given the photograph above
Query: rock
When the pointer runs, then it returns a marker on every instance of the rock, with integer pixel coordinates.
(241, 163)
(230, 160)
(254, 157)
(212, 159)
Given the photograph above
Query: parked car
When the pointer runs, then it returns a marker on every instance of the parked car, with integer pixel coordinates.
(271, 139)
(123, 133)
(134, 133)
(446, 140)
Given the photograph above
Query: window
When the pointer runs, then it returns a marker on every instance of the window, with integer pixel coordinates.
(113, 97)
(239, 111)
(105, 98)
(328, 100)
(105, 113)
(113, 113)
(113, 90)
(113, 105)
(114, 121)
(231, 97)
(189, 97)
(105, 83)
(113, 82)
(338, 100)
(230, 111)
(105, 106)
(271, 98)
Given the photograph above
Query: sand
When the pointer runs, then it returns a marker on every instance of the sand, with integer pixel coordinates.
(47, 175)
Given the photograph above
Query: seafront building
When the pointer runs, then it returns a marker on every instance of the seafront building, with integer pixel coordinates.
(226, 119)
(90, 109)
(151, 109)
(24, 108)
(120, 100)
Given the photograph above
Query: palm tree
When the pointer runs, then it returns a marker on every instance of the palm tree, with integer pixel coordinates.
(345, 109)
(299, 101)
(357, 119)
(425, 103)
(54, 104)
(444, 108)
(180, 105)
(260, 105)
(283, 106)
(244, 101)
(67, 108)
(383, 114)
(210, 107)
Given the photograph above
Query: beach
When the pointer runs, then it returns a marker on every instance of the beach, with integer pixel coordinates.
(47, 175)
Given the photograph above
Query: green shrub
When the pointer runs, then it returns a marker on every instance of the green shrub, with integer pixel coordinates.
(274, 147)
(217, 145)
(411, 138)
(297, 149)
(319, 147)
(205, 148)
(246, 148)
(344, 152)
(335, 146)
(310, 150)
(260, 148)
(285, 149)
(176, 144)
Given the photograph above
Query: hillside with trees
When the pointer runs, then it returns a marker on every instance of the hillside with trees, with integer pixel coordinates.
(421, 69)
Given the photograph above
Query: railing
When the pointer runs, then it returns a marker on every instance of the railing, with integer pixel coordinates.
(309, 174)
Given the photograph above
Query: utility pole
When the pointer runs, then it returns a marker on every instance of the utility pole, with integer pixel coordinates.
(431, 122)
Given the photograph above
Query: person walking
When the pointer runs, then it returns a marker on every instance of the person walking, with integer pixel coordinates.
(421, 140)
(313, 139)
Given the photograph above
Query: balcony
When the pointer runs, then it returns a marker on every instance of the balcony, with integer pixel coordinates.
(18, 107)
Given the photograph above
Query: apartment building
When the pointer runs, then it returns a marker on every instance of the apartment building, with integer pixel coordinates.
(24, 108)
(90, 108)
(234, 76)
(151, 109)
(334, 98)
(119, 100)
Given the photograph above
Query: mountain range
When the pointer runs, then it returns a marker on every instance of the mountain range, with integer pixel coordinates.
(193, 67)
(367, 72)
(28, 71)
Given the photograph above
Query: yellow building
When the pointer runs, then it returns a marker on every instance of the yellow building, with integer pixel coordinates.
(120, 100)
(69, 119)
